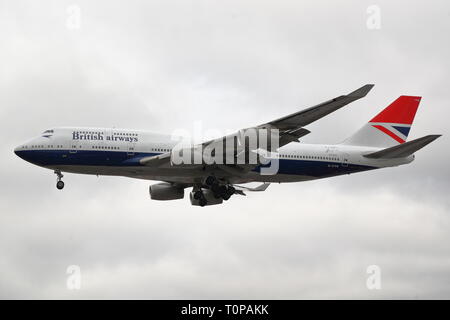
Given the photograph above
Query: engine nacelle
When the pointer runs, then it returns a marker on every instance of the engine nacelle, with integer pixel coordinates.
(209, 197)
(165, 191)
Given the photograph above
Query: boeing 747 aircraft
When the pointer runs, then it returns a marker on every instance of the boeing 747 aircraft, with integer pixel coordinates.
(215, 169)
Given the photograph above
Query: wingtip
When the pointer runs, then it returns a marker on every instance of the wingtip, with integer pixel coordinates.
(430, 138)
(362, 92)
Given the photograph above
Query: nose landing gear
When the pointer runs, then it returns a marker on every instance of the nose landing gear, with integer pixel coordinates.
(59, 182)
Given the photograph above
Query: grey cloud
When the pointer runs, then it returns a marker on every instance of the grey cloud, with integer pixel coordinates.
(163, 65)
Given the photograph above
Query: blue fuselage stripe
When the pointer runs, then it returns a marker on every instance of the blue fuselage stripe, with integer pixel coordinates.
(49, 158)
(83, 157)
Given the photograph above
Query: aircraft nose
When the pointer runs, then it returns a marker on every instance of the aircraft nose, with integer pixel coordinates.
(18, 151)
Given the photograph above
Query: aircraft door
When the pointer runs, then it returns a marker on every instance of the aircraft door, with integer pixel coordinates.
(74, 146)
(344, 159)
(130, 147)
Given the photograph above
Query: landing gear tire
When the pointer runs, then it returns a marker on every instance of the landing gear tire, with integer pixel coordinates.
(210, 180)
(202, 202)
(228, 193)
(222, 190)
(216, 190)
(198, 195)
(219, 190)
(226, 196)
(231, 190)
(60, 185)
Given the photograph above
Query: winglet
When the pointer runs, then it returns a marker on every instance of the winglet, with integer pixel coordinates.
(361, 92)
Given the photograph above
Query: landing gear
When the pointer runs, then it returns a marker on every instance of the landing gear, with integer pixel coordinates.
(211, 191)
(202, 202)
(228, 193)
(59, 182)
(222, 191)
(217, 190)
(200, 197)
(210, 180)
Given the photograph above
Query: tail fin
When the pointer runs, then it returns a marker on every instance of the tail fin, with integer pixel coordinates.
(390, 127)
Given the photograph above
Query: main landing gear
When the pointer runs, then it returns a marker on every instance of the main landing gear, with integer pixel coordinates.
(211, 191)
(59, 182)
(198, 195)
(223, 191)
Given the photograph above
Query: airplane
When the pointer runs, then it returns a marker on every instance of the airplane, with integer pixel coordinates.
(380, 143)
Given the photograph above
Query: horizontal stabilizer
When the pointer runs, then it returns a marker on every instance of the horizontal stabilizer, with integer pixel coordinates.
(403, 150)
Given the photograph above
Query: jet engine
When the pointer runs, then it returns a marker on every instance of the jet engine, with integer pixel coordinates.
(166, 191)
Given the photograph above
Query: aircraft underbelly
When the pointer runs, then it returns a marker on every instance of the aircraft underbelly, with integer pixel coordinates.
(121, 164)
(173, 175)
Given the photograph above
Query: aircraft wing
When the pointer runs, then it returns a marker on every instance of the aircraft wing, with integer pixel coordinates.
(290, 127)
(295, 121)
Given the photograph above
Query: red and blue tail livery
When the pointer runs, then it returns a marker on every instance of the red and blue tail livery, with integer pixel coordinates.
(390, 127)
(397, 118)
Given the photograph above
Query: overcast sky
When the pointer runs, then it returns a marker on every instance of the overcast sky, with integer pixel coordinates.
(167, 65)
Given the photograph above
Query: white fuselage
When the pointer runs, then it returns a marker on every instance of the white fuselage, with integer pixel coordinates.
(117, 152)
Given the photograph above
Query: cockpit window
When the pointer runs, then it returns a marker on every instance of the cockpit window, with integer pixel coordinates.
(47, 131)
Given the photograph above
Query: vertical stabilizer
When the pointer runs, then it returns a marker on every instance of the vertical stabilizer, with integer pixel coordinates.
(390, 127)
